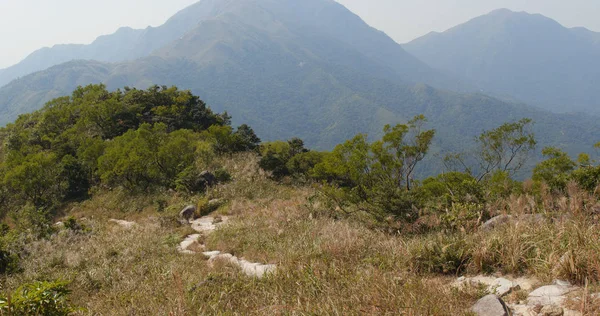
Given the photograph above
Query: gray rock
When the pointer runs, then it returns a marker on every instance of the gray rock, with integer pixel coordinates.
(122, 223)
(532, 218)
(552, 310)
(187, 213)
(498, 286)
(490, 305)
(562, 283)
(496, 222)
(208, 179)
(59, 225)
(549, 295)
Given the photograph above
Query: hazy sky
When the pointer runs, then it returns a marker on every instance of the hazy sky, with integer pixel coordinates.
(26, 25)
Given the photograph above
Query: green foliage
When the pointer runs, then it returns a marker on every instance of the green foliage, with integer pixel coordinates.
(588, 177)
(225, 140)
(505, 148)
(449, 188)
(138, 139)
(556, 170)
(379, 175)
(288, 158)
(39, 298)
(500, 185)
(222, 176)
(463, 216)
(35, 178)
(446, 254)
(9, 261)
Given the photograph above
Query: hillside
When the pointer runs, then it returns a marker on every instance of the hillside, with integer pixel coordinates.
(109, 197)
(526, 56)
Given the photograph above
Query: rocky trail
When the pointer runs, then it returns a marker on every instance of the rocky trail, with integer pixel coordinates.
(206, 225)
(540, 300)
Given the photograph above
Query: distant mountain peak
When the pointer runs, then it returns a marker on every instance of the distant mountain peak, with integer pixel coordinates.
(527, 56)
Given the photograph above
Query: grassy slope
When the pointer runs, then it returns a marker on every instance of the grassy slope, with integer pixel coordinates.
(326, 265)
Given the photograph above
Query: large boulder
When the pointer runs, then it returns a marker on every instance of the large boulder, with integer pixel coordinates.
(187, 214)
(490, 305)
(549, 295)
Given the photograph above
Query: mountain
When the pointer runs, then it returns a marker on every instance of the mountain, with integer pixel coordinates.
(123, 45)
(288, 69)
(527, 56)
(128, 44)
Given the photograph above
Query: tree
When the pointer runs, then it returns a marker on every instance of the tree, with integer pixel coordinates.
(402, 148)
(505, 148)
(148, 156)
(555, 170)
(378, 175)
(245, 139)
(36, 178)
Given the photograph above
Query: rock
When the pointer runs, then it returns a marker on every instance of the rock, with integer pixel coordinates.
(532, 219)
(59, 225)
(496, 222)
(211, 254)
(490, 305)
(207, 179)
(498, 286)
(208, 223)
(552, 310)
(526, 284)
(549, 295)
(122, 223)
(187, 214)
(562, 283)
(529, 219)
(190, 245)
(256, 269)
(522, 310)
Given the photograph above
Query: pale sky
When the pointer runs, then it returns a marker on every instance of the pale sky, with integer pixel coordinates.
(27, 25)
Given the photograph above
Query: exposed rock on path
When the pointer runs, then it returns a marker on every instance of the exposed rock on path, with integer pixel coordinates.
(208, 224)
(122, 223)
(490, 305)
(547, 300)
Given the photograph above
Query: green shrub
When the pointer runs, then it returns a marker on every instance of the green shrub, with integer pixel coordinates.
(222, 175)
(39, 298)
(446, 254)
(463, 216)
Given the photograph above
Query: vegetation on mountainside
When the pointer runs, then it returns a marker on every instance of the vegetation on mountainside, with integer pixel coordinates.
(351, 219)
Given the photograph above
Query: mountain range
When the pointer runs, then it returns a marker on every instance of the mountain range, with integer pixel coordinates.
(308, 68)
(525, 56)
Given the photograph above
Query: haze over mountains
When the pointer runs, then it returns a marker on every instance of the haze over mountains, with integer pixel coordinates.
(288, 68)
(527, 56)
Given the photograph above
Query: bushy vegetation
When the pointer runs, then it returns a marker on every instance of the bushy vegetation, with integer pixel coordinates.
(39, 298)
(95, 138)
(353, 220)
